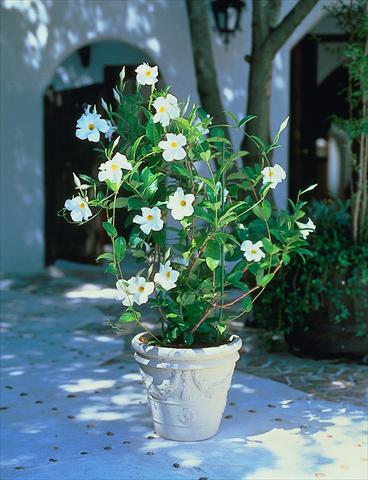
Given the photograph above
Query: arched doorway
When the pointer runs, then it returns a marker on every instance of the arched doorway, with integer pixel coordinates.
(85, 77)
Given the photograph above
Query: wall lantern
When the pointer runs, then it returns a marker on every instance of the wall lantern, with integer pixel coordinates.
(227, 15)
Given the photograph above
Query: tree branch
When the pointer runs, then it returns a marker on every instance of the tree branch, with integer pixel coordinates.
(288, 24)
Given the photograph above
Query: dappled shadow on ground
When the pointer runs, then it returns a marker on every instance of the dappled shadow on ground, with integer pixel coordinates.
(73, 406)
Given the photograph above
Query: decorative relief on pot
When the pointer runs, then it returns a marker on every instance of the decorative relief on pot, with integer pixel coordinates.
(181, 384)
(162, 390)
(186, 416)
(208, 388)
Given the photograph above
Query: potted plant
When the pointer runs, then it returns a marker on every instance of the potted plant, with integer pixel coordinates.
(177, 179)
(322, 306)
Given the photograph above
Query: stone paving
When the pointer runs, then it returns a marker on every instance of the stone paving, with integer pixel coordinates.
(73, 406)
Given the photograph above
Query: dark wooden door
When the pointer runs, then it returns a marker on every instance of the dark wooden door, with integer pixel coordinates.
(65, 154)
(312, 108)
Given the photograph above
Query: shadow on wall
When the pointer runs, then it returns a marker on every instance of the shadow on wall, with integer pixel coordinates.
(36, 36)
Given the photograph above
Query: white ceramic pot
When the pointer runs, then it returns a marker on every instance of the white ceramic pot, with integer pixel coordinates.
(187, 388)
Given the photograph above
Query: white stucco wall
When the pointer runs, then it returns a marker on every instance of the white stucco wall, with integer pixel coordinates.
(37, 39)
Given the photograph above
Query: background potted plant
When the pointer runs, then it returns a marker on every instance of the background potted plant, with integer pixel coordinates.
(323, 308)
(191, 210)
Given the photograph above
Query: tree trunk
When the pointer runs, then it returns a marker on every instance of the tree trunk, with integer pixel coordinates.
(207, 85)
(259, 90)
(268, 36)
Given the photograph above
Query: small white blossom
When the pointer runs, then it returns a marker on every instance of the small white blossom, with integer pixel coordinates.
(166, 277)
(203, 131)
(173, 147)
(273, 175)
(146, 75)
(112, 169)
(166, 109)
(79, 209)
(124, 294)
(252, 251)
(122, 75)
(135, 290)
(306, 228)
(150, 220)
(90, 125)
(110, 131)
(180, 204)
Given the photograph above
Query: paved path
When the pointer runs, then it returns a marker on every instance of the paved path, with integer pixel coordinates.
(73, 406)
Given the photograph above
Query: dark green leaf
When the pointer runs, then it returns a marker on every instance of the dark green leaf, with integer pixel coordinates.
(120, 248)
(110, 229)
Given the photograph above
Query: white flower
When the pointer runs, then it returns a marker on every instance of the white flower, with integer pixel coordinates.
(181, 204)
(122, 75)
(150, 220)
(306, 228)
(173, 147)
(252, 251)
(112, 169)
(135, 290)
(110, 131)
(79, 209)
(146, 75)
(202, 130)
(166, 277)
(90, 125)
(273, 175)
(166, 109)
(124, 294)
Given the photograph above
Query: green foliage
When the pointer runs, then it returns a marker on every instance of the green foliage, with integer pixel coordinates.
(230, 207)
(335, 278)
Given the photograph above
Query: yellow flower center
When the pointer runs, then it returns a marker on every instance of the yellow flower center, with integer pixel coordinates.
(82, 205)
(254, 251)
(270, 173)
(148, 73)
(162, 109)
(140, 289)
(91, 126)
(149, 217)
(168, 274)
(114, 166)
(174, 144)
(183, 203)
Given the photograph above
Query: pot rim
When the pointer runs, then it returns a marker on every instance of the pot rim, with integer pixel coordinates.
(198, 354)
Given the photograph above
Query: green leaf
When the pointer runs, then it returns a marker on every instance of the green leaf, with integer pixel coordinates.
(110, 229)
(205, 156)
(188, 337)
(135, 203)
(218, 140)
(121, 202)
(285, 258)
(152, 132)
(212, 264)
(111, 269)
(136, 145)
(245, 120)
(129, 316)
(105, 256)
(120, 248)
(266, 279)
(247, 304)
(268, 245)
(159, 237)
(180, 170)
